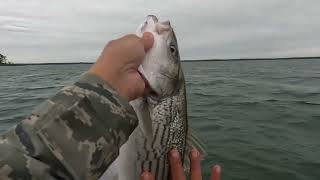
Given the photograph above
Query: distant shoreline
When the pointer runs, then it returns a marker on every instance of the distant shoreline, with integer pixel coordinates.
(190, 60)
(254, 59)
(30, 64)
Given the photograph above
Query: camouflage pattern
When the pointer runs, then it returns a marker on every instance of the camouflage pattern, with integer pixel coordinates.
(75, 134)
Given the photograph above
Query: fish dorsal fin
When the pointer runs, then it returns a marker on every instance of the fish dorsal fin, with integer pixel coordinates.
(141, 108)
(193, 142)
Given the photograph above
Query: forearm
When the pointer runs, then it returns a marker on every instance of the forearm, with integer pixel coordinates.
(75, 134)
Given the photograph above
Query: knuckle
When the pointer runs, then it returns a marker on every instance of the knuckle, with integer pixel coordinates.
(110, 43)
(132, 36)
(177, 162)
(134, 41)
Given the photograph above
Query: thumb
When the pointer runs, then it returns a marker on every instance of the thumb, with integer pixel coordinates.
(147, 41)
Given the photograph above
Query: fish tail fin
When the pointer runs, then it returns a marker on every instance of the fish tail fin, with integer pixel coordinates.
(193, 142)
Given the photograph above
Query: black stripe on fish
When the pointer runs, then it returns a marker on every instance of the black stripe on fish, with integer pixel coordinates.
(150, 166)
(155, 136)
(157, 168)
(143, 162)
(166, 171)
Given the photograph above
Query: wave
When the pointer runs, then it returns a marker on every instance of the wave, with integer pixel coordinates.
(42, 87)
(296, 94)
(298, 123)
(277, 101)
(215, 81)
(239, 100)
(202, 94)
(206, 83)
(308, 103)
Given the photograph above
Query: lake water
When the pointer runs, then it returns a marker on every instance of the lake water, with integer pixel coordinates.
(259, 119)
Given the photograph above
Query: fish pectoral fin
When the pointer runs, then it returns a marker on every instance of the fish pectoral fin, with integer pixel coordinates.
(112, 173)
(146, 122)
(140, 106)
(193, 142)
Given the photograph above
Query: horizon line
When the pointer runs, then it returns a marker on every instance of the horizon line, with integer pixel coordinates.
(186, 60)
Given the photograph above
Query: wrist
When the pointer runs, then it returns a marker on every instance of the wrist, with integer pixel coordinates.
(99, 70)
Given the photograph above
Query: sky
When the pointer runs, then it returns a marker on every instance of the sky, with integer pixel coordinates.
(77, 30)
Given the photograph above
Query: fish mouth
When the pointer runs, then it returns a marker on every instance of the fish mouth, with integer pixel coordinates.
(153, 17)
(153, 24)
(148, 89)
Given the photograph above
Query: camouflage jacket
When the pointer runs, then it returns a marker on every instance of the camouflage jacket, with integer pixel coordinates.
(76, 134)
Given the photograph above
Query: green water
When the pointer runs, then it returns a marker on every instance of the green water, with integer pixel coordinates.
(259, 119)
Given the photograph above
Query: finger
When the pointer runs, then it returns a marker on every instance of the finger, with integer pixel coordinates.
(215, 172)
(176, 168)
(195, 173)
(134, 88)
(146, 176)
(147, 41)
(137, 47)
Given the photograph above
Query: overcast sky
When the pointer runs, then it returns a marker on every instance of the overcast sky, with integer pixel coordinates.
(77, 30)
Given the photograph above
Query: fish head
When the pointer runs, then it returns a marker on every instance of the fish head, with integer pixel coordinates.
(161, 67)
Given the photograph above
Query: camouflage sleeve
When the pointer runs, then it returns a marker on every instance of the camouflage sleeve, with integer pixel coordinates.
(75, 134)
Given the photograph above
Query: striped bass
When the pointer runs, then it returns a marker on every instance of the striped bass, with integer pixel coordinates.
(163, 122)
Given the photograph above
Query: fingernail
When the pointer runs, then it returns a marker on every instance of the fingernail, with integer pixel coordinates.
(147, 36)
(148, 40)
(217, 168)
(145, 175)
(174, 153)
(195, 153)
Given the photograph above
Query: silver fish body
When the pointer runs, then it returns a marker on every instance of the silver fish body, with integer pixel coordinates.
(163, 122)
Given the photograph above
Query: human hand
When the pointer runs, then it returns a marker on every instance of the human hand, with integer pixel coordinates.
(118, 64)
(177, 172)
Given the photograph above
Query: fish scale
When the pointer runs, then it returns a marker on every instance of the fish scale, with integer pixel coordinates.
(170, 132)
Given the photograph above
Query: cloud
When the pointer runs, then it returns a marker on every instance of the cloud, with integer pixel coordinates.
(77, 30)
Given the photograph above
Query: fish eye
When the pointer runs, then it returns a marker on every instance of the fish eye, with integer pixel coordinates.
(173, 50)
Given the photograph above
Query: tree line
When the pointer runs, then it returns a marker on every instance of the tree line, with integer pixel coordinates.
(4, 60)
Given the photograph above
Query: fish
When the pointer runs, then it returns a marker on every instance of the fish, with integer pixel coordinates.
(162, 114)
